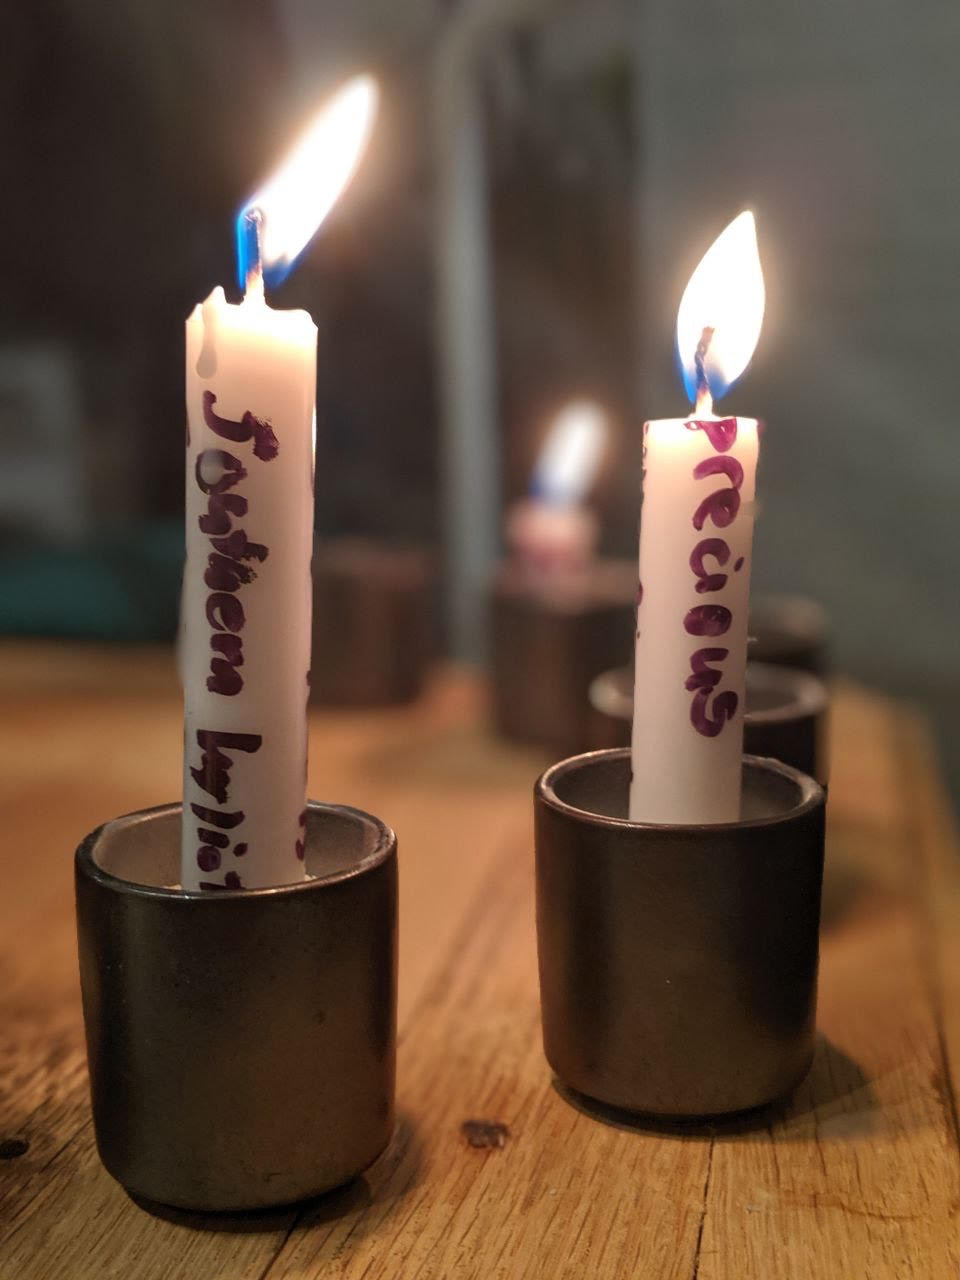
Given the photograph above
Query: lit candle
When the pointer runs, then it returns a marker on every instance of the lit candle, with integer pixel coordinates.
(245, 643)
(695, 541)
(552, 531)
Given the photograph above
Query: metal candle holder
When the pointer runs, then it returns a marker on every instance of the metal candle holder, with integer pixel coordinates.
(549, 640)
(789, 631)
(678, 964)
(241, 1044)
(373, 623)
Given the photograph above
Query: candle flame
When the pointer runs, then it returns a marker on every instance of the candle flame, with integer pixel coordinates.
(721, 313)
(296, 198)
(571, 454)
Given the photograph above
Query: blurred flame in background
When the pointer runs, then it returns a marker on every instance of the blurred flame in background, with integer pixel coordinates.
(571, 454)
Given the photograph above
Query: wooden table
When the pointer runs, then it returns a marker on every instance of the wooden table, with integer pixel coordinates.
(859, 1176)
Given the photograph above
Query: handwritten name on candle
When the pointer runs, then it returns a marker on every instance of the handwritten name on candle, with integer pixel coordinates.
(213, 776)
(711, 709)
(218, 473)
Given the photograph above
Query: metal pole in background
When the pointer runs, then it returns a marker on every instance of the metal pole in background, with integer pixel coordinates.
(466, 332)
(465, 350)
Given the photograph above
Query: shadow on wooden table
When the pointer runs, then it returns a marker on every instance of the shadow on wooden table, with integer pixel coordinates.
(835, 1082)
(846, 882)
(335, 1204)
(351, 1199)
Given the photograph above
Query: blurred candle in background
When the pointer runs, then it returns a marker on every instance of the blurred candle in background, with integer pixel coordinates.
(696, 534)
(552, 531)
(245, 635)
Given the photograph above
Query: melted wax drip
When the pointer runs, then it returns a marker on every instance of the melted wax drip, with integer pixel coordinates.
(207, 359)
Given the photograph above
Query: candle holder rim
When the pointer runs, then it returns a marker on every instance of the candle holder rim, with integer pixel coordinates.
(809, 694)
(812, 795)
(87, 865)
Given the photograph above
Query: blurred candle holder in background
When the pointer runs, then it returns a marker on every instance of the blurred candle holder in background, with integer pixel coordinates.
(551, 533)
(557, 611)
(786, 715)
(374, 622)
(549, 643)
(789, 631)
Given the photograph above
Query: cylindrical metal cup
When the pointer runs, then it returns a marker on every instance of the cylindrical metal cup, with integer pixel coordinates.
(549, 639)
(789, 631)
(678, 964)
(373, 623)
(785, 716)
(241, 1044)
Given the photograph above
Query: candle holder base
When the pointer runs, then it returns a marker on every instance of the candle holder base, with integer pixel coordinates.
(373, 623)
(241, 1044)
(549, 639)
(785, 717)
(678, 964)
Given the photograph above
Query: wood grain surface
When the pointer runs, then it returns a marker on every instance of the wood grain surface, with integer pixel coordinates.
(858, 1176)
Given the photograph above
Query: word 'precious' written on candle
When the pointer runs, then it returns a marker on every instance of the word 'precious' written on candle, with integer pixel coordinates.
(712, 620)
(217, 473)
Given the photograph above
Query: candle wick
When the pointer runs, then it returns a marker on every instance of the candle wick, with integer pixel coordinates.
(704, 395)
(253, 223)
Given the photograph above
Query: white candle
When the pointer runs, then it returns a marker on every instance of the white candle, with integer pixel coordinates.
(245, 644)
(247, 591)
(695, 544)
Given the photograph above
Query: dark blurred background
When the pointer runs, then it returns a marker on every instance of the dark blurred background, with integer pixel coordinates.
(618, 140)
